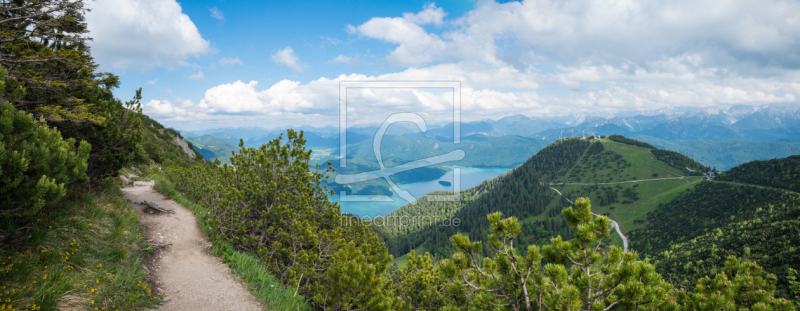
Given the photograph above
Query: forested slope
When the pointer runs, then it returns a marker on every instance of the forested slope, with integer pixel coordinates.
(689, 227)
(161, 144)
(692, 235)
(695, 211)
(779, 173)
(518, 193)
(624, 177)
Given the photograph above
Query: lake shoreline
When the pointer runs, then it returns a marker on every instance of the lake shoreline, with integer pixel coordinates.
(470, 177)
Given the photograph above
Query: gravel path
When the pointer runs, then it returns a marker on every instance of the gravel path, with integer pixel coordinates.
(184, 272)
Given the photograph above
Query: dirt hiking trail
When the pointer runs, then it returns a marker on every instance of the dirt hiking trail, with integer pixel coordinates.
(184, 272)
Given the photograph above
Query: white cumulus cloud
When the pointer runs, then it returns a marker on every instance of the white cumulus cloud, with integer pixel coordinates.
(415, 45)
(287, 57)
(749, 31)
(343, 59)
(547, 57)
(216, 13)
(233, 97)
(142, 34)
(429, 15)
(198, 76)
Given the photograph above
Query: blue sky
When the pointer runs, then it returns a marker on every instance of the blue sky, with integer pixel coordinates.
(205, 64)
(252, 32)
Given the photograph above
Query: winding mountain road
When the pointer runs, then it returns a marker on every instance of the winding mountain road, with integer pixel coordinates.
(613, 222)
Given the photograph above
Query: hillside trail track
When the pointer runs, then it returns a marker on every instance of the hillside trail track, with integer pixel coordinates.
(621, 182)
(185, 272)
(613, 223)
(757, 186)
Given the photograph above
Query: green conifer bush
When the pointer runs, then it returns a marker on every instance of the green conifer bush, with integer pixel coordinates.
(36, 163)
(742, 285)
(270, 202)
(576, 274)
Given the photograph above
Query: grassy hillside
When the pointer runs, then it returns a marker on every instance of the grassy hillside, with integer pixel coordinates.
(517, 193)
(160, 144)
(616, 162)
(686, 165)
(625, 180)
(87, 253)
(628, 203)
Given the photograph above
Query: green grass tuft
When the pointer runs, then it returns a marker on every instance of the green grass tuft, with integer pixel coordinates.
(85, 253)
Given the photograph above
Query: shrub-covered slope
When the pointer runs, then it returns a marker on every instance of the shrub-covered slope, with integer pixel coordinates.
(519, 193)
(692, 235)
(779, 173)
(624, 177)
(160, 144)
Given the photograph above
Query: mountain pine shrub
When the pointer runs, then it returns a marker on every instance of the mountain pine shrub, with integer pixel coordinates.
(36, 163)
(269, 202)
(741, 285)
(576, 275)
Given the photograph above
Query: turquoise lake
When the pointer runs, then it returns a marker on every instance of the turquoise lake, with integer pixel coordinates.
(470, 177)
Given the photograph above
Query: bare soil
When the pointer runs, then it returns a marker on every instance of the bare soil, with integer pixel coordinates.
(183, 270)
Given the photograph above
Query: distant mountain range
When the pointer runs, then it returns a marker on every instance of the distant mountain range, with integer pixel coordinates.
(729, 125)
(765, 123)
